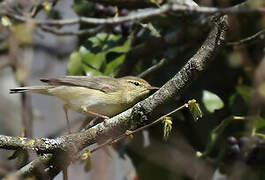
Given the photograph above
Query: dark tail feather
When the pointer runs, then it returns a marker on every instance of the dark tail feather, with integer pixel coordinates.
(34, 89)
(18, 90)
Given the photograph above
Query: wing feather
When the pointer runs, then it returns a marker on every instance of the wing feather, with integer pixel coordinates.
(103, 83)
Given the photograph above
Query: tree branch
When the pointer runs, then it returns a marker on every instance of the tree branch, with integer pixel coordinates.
(4, 62)
(153, 68)
(147, 49)
(35, 167)
(89, 32)
(128, 133)
(129, 4)
(257, 36)
(239, 9)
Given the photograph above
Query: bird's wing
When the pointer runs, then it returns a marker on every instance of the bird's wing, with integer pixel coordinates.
(103, 83)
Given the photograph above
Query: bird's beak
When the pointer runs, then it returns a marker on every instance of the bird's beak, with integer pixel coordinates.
(152, 88)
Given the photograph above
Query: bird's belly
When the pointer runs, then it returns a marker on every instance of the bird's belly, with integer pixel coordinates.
(83, 100)
(97, 107)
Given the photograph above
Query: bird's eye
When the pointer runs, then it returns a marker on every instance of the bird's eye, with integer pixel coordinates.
(135, 83)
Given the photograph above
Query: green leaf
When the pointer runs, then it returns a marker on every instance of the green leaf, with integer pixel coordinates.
(260, 125)
(245, 92)
(232, 125)
(232, 99)
(90, 71)
(211, 101)
(5, 21)
(123, 46)
(82, 7)
(100, 54)
(74, 66)
(215, 134)
(110, 67)
(92, 59)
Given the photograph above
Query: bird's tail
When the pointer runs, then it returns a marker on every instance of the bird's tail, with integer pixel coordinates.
(34, 89)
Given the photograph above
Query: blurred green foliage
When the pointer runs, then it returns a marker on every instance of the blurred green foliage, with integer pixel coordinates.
(100, 55)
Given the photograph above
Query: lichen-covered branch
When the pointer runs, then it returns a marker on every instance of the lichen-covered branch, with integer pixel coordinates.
(35, 167)
(196, 65)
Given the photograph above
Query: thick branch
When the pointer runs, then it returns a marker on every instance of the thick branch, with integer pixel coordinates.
(35, 167)
(196, 65)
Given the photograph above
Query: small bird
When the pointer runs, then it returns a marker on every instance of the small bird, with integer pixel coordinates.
(100, 96)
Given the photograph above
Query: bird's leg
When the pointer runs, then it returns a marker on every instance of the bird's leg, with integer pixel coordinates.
(97, 114)
(65, 173)
(94, 113)
(65, 108)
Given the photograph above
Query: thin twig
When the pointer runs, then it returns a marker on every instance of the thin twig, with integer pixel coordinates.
(155, 67)
(13, 56)
(260, 35)
(128, 133)
(65, 173)
(27, 116)
(39, 6)
(72, 33)
(3, 171)
(4, 63)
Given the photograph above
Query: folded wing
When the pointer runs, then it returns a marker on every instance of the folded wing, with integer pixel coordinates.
(103, 83)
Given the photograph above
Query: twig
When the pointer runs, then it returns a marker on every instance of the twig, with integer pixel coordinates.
(146, 49)
(128, 133)
(260, 35)
(3, 172)
(72, 33)
(155, 67)
(13, 54)
(4, 62)
(38, 7)
(27, 116)
(239, 9)
(65, 173)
